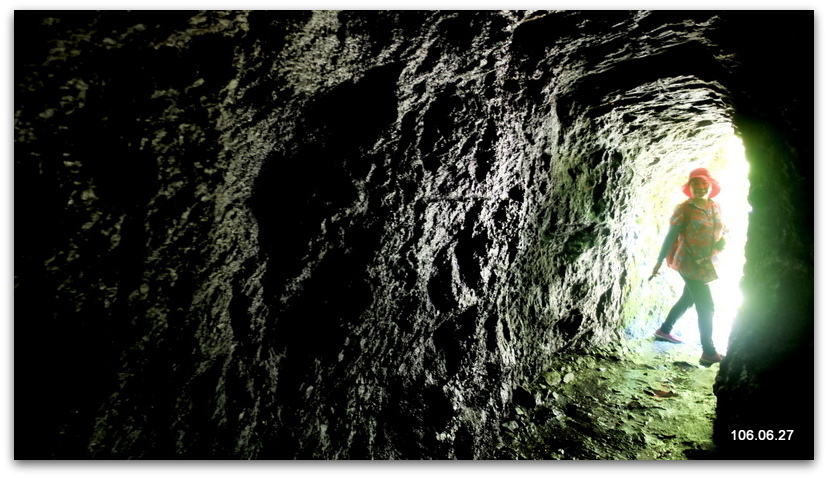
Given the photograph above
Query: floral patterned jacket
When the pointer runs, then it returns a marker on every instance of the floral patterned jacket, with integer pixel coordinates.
(693, 253)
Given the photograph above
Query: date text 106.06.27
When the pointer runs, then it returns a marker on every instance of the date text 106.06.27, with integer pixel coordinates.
(762, 434)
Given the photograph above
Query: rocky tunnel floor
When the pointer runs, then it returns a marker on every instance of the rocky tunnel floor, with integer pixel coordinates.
(645, 400)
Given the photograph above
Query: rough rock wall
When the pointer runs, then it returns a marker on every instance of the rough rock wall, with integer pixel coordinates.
(331, 234)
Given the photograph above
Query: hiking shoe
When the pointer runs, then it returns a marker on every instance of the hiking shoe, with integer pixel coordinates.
(668, 337)
(708, 360)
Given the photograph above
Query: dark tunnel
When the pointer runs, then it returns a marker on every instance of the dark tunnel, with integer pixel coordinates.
(404, 234)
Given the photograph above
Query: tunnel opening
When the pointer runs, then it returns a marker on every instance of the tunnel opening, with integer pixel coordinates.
(641, 398)
(726, 161)
(622, 154)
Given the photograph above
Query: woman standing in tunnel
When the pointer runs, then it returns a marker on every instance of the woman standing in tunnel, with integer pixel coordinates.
(691, 245)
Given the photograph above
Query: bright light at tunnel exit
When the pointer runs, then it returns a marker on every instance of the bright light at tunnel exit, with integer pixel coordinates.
(730, 168)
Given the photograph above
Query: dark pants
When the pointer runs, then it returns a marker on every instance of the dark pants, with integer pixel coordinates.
(698, 293)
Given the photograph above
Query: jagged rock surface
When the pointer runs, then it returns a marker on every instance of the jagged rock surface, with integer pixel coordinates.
(353, 234)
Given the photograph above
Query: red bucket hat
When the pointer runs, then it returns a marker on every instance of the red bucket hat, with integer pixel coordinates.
(702, 173)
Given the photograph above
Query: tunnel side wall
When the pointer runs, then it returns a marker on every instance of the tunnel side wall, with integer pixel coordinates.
(291, 234)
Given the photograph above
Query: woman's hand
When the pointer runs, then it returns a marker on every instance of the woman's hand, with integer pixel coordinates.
(655, 270)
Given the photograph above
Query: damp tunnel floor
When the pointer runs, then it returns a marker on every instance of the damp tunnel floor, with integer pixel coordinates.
(643, 400)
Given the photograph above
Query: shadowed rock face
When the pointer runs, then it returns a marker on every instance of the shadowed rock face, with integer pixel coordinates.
(353, 234)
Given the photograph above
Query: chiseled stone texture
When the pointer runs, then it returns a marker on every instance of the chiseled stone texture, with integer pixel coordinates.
(350, 234)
